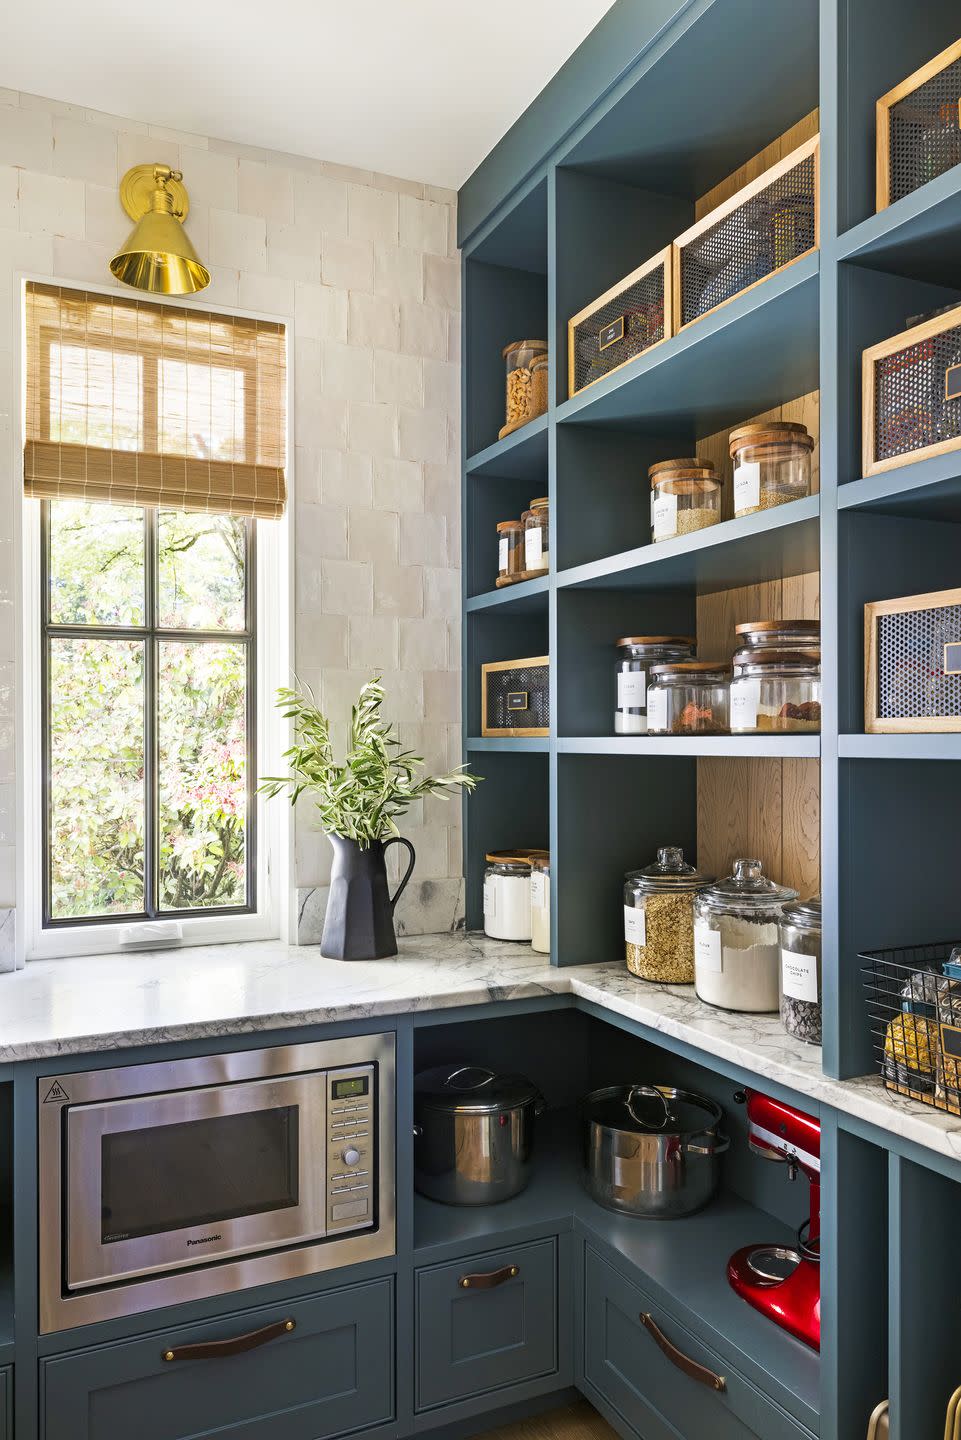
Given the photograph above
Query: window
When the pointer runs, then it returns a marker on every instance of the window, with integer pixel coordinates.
(154, 478)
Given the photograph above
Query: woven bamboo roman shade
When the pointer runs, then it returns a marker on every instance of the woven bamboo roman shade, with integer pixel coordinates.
(141, 404)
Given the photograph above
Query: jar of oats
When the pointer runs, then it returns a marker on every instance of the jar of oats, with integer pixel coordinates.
(685, 496)
(772, 465)
(523, 394)
(659, 918)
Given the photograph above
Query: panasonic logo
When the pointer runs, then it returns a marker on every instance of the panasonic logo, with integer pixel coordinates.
(204, 1239)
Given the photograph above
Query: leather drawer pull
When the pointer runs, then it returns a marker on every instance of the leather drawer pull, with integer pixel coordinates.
(690, 1367)
(221, 1349)
(490, 1280)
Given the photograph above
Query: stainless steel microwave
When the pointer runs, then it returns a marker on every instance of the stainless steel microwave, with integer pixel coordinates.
(162, 1183)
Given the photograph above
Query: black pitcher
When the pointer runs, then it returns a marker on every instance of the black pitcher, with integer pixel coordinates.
(359, 924)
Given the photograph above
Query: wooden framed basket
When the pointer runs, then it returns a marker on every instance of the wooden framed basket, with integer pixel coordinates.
(912, 664)
(515, 697)
(766, 226)
(911, 394)
(630, 318)
(919, 127)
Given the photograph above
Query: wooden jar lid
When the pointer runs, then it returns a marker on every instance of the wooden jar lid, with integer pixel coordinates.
(515, 857)
(811, 655)
(750, 626)
(689, 468)
(523, 345)
(769, 432)
(541, 503)
(656, 640)
(692, 667)
(510, 525)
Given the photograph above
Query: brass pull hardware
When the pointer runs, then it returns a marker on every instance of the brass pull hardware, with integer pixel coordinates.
(689, 1367)
(221, 1349)
(489, 1281)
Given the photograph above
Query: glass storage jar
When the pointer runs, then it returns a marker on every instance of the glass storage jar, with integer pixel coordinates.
(685, 496)
(635, 656)
(507, 895)
(659, 918)
(540, 371)
(737, 958)
(510, 550)
(689, 697)
(537, 538)
(776, 690)
(541, 904)
(800, 938)
(519, 359)
(776, 635)
(772, 464)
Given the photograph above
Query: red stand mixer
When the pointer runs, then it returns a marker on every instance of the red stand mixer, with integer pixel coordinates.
(782, 1282)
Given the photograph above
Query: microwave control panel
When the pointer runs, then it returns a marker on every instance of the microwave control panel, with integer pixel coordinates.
(351, 1140)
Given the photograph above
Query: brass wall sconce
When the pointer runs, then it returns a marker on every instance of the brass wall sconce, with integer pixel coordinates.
(158, 256)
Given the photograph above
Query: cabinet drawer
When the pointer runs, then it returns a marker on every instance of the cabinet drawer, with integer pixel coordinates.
(624, 1362)
(498, 1330)
(333, 1372)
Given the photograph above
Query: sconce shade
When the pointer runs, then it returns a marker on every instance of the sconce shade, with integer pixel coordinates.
(158, 256)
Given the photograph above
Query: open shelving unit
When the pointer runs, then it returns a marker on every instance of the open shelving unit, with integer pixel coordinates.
(727, 87)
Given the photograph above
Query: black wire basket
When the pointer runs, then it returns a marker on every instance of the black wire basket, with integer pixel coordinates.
(915, 1016)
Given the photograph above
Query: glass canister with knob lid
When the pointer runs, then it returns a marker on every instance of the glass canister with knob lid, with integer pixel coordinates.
(659, 918)
(737, 957)
(800, 936)
(635, 656)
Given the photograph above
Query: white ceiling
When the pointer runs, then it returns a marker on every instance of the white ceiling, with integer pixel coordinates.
(421, 89)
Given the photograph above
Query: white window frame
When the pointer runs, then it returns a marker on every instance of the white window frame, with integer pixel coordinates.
(275, 913)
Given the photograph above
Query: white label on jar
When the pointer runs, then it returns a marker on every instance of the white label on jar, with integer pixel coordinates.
(490, 899)
(538, 889)
(745, 695)
(663, 516)
(747, 486)
(533, 549)
(799, 976)
(503, 550)
(707, 948)
(657, 709)
(631, 689)
(635, 927)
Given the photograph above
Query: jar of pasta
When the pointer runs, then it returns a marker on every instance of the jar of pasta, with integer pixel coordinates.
(659, 918)
(519, 359)
(772, 465)
(685, 496)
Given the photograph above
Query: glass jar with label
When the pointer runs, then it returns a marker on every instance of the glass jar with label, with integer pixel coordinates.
(772, 465)
(635, 656)
(507, 895)
(541, 904)
(737, 956)
(776, 690)
(689, 697)
(685, 496)
(659, 918)
(510, 550)
(537, 544)
(800, 936)
(519, 358)
(776, 635)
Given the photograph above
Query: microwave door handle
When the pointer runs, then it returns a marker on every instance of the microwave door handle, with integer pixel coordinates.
(221, 1349)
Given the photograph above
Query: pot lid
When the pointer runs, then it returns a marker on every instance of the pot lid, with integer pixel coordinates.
(473, 1089)
(652, 1110)
(748, 887)
(669, 872)
(806, 914)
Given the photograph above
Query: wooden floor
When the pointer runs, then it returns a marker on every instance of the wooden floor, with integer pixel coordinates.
(573, 1422)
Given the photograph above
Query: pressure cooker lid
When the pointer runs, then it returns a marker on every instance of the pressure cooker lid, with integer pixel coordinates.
(652, 1110)
(472, 1089)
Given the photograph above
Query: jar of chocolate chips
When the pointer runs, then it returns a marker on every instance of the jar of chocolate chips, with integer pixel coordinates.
(689, 697)
(800, 941)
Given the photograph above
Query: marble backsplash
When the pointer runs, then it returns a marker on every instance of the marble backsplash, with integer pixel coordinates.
(427, 907)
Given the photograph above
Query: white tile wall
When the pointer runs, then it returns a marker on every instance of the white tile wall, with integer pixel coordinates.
(365, 267)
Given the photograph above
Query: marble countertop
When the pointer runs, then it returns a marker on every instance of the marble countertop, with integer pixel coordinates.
(99, 1004)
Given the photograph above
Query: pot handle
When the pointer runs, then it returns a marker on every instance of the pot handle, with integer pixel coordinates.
(400, 840)
(650, 1092)
(722, 1143)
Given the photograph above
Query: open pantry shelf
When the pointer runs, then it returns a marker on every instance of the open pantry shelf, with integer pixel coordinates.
(735, 747)
(521, 455)
(899, 747)
(927, 489)
(526, 595)
(518, 744)
(917, 236)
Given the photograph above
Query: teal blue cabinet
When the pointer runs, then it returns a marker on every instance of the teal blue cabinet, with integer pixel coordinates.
(6, 1404)
(332, 1372)
(486, 1322)
(658, 1395)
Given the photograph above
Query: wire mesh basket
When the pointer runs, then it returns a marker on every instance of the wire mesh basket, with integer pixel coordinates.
(914, 1009)
(515, 697)
(912, 660)
(765, 226)
(631, 317)
(912, 393)
(919, 128)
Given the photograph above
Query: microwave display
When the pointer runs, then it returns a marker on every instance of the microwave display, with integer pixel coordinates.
(198, 1172)
(347, 1089)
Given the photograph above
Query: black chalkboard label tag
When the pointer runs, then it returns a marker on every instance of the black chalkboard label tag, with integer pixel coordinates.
(951, 1041)
(517, 700)
(614, 332)
(952, 657)
(952, 383)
